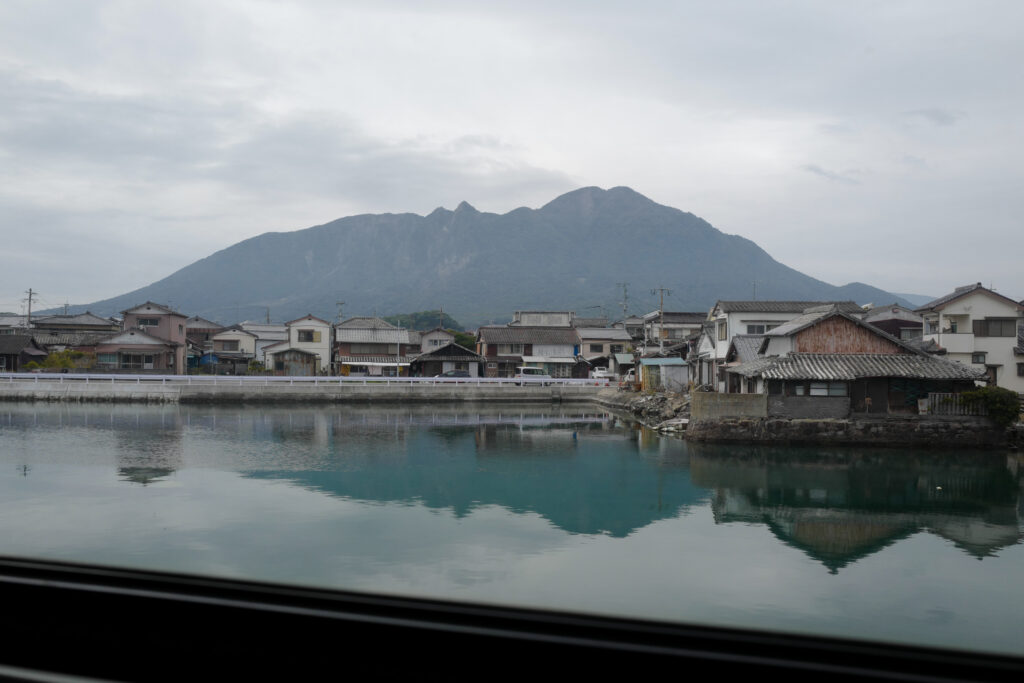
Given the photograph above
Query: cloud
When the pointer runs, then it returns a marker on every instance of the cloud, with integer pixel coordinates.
(844, 177)
(937, 116)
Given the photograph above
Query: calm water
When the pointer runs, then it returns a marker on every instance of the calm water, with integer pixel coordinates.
(556, 508)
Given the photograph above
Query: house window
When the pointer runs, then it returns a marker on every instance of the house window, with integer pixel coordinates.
(978, 358)
(597, 348)
(723, 331)
(148, 322)
(995, 327)
(3, 362)
(615, 348)
(510, 349)
(952, 326)
(492, 366)
(462, 366)
(933, 326)
(1020, 369)
(309, 336)
(181, 329)
(437, 342)
(229, 345)
(828, 389)
(109, 359)
(756, 329)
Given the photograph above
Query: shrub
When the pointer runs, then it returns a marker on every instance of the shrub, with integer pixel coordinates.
(1002, 405)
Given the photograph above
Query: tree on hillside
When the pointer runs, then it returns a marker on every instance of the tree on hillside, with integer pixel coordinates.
(424, 320)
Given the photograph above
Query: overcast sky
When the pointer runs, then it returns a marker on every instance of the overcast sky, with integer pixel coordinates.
(873, 141)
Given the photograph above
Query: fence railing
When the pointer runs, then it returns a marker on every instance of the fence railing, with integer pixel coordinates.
(953, 405)
(253, 380)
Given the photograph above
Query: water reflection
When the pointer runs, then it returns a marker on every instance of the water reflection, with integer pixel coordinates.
(841, 505)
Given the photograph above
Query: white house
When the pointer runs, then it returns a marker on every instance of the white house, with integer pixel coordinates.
(982, 328)
(307, 334)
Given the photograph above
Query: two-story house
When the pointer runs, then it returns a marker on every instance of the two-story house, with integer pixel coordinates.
(153, 339)
(372, 346)
(507, 347)
(979, 327)
(749, 317)
(306, 351)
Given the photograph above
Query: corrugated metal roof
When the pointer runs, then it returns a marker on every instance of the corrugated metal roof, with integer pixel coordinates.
(842, 366)
(357, 335)
(528, 335)
(781, 306)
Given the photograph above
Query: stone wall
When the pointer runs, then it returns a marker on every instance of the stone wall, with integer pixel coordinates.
(915, 432)
(814, 407)
(713, 406)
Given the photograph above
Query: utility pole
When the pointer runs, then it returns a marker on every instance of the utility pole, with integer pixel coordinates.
(268, 315)
(340, 305)
(625, 299)
(754, 285)
(661, 315)
(65, 306)
(28, 321)
(440, 318)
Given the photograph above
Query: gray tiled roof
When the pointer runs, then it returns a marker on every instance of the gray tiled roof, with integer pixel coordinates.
(782, 306)
(590, 322)
(69, 338)
(359, 360)
(609, 333)
(527, 335)
(959, 292)
(367, 323)
(451, 351)
(86, 318)
(843, 366)
(14, 343)
(362, 335)
(747, 346)
(821, 313)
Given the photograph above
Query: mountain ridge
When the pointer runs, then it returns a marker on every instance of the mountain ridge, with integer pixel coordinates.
(568, 254)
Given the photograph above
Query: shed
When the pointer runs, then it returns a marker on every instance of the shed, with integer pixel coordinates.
(664, 374)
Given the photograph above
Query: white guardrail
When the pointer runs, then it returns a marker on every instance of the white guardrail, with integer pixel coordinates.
(252, 380)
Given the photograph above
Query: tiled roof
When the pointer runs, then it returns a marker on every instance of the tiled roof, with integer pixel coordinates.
(590, 322)
(609, 333)
(843, 366)
(782, 306)
(70, 338)
(451, 351)
(362, 360)
(364, 335)
(527, 335)
(14, 343)
(13, 321)
(307, 317)
(150, 307)
(86, 318)
(366, 322)
(195, 322)
(747, 346)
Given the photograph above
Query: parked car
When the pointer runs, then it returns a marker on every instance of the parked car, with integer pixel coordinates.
(526, 372)
(454, 373)
(630, 377)
(602, 373)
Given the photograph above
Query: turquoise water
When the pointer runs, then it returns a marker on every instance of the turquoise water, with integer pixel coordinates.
(559, 507)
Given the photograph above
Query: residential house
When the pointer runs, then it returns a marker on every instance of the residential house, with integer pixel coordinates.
(79, 332)
(507, 347)
(664, 374)
(434, 339)
(371, 346)
(979, 328)
(13, 324)
(307, 336)
(267, 334)
(896, 320)
(446, 358)
(232, 350)
(751, 317)
(543, 318)
(137, 351)
(200, 331)
(153, 339)
(601, 342)
(17, 350)
(671, 327)
(829, 363)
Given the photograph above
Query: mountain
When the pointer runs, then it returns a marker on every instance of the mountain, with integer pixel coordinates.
(481, 267)
(917, 299)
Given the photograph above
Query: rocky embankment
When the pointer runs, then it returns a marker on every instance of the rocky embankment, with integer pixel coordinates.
(664, 412)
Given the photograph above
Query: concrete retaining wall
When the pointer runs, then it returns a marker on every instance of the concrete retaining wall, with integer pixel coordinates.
(933, 433)
(813, 407)
(298, 393)
(712, 406)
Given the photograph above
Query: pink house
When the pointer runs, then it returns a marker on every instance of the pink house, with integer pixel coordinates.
(153, 339)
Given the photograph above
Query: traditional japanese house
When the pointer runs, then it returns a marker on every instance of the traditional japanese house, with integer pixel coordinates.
(447, 358)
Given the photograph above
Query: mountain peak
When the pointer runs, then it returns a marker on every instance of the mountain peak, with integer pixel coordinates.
(465, 206)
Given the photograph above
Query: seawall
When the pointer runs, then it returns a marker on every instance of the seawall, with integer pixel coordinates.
(281, 392)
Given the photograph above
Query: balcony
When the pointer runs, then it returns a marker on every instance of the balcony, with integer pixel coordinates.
(954, 342)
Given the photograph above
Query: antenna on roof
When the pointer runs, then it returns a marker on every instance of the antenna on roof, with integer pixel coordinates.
(625, 298)
(340, 305)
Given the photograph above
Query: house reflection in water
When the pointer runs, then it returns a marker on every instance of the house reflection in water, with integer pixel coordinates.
(841, 506)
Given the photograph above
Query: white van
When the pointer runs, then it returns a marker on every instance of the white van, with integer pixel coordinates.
(526, 372)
